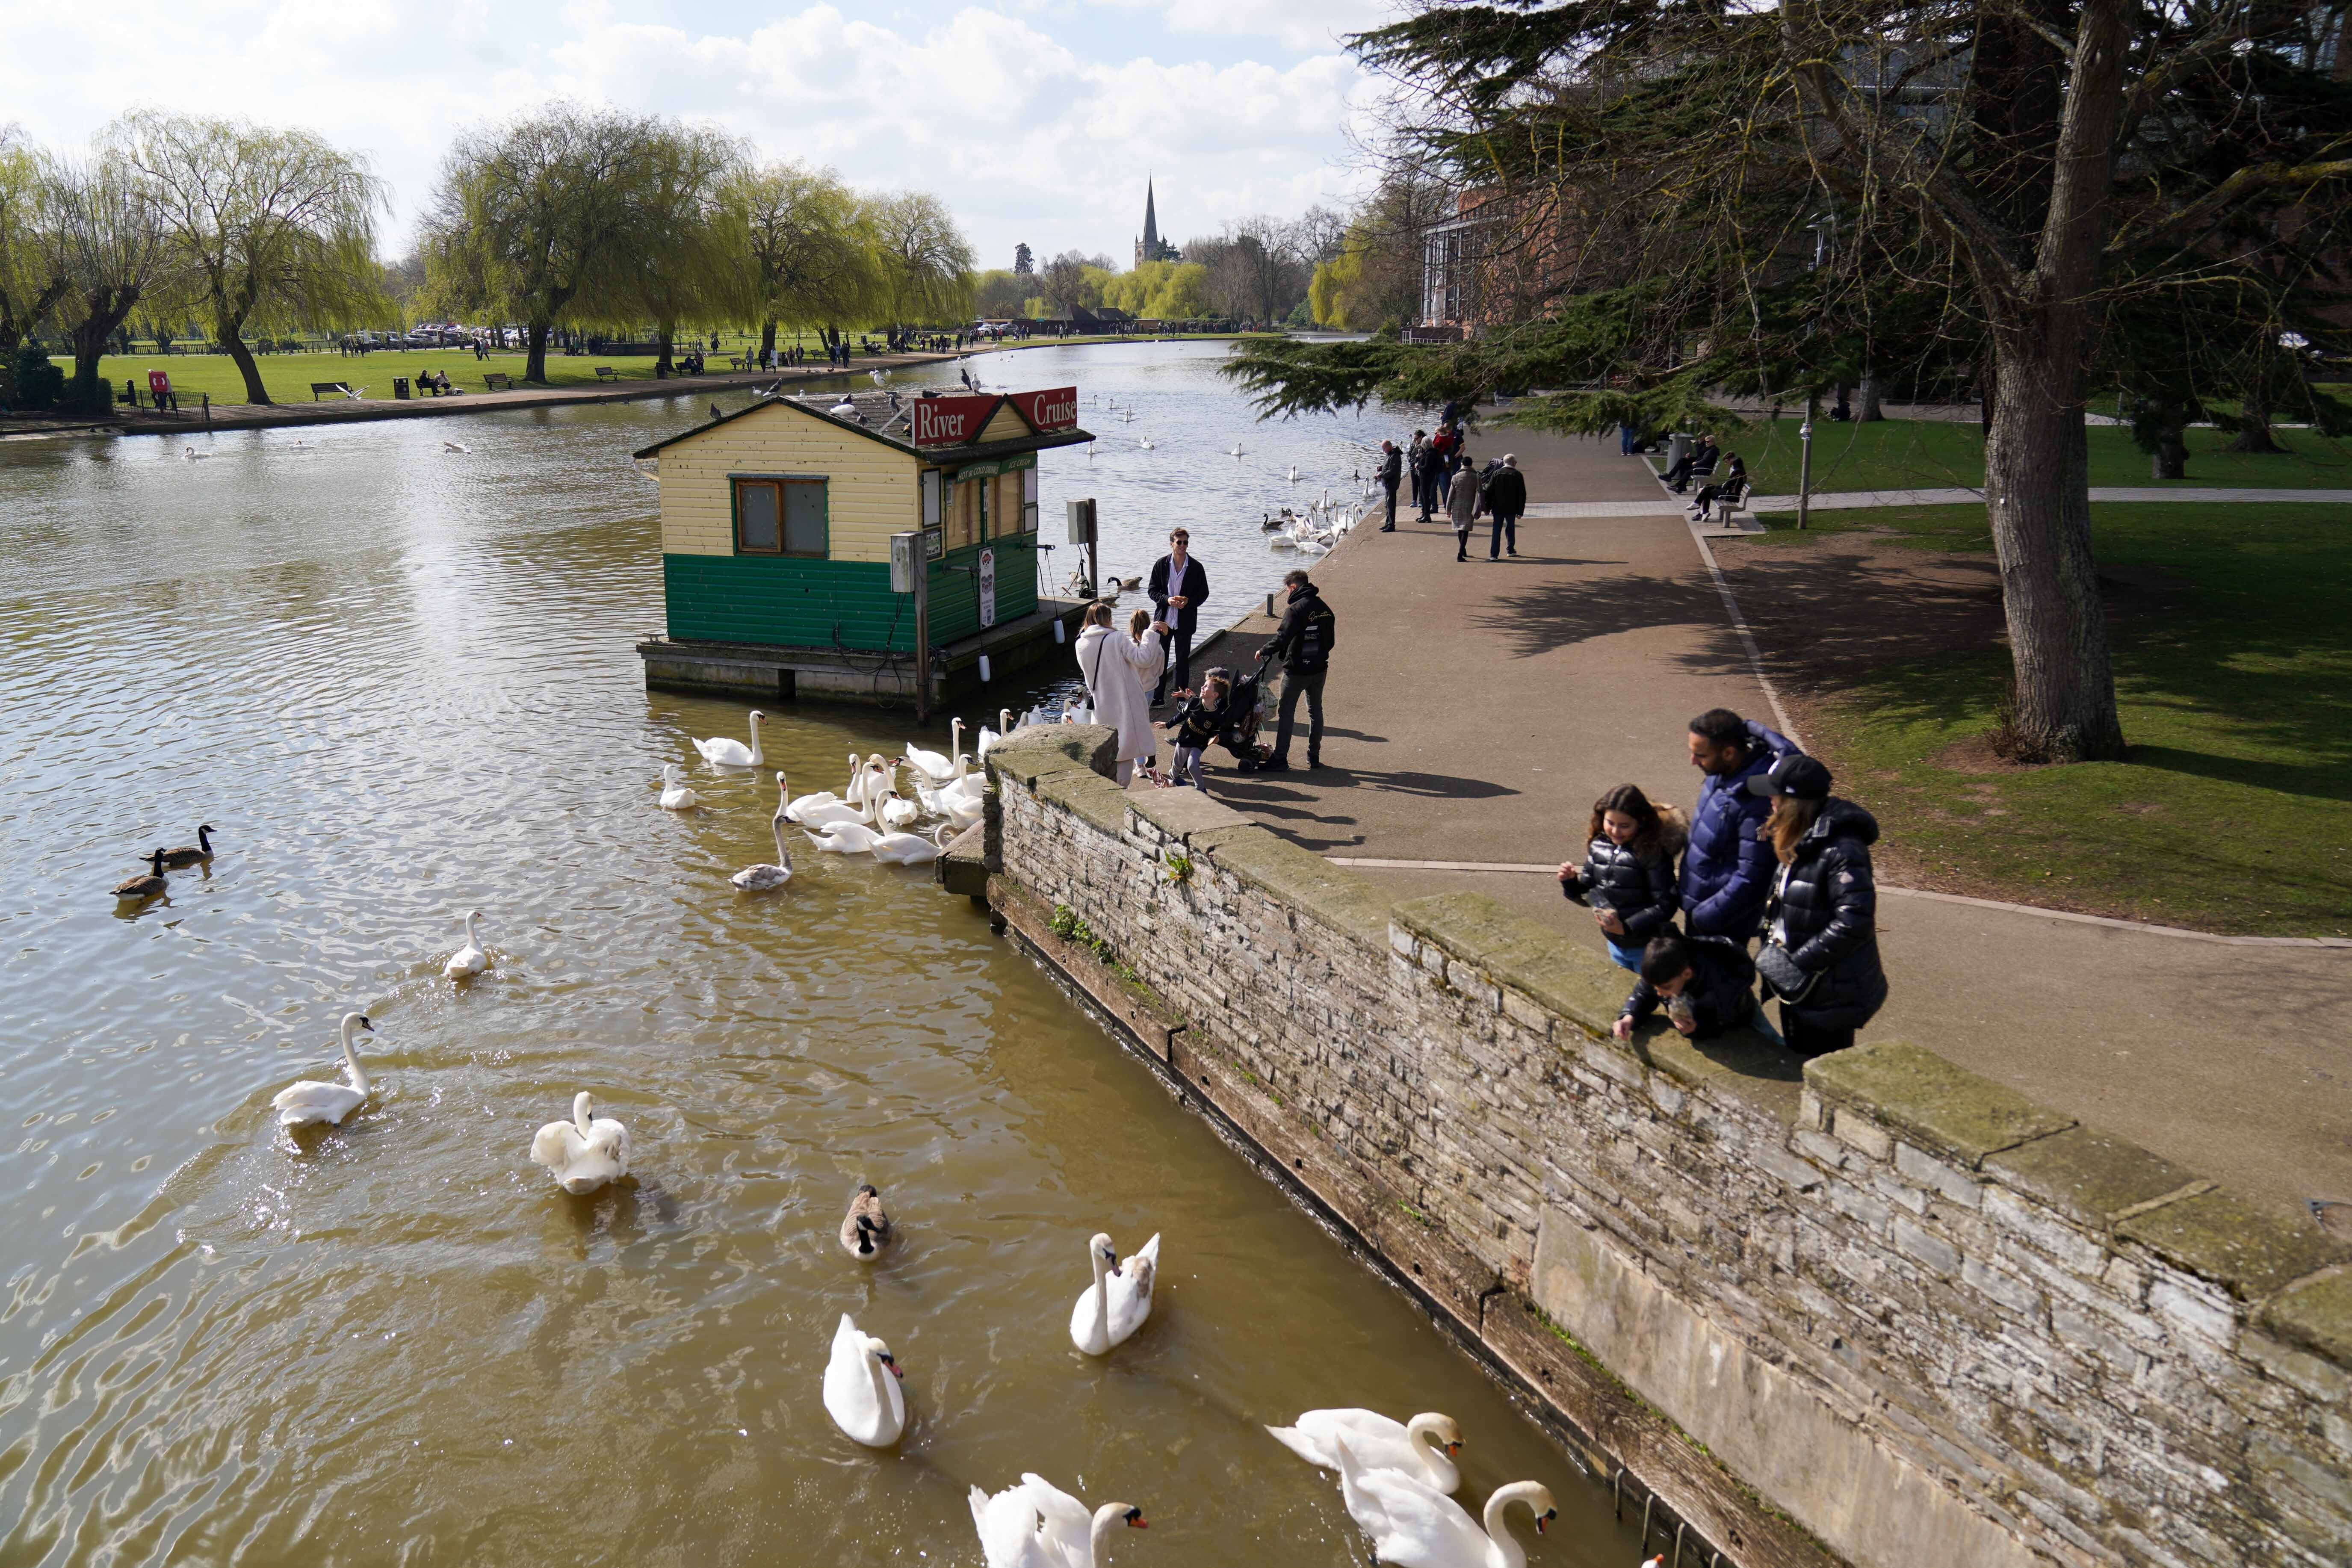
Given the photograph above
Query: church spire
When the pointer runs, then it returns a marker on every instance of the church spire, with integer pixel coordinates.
(1150, 224)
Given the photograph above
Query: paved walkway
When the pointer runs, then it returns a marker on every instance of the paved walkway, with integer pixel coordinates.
(1841, 500)
(1479, 709)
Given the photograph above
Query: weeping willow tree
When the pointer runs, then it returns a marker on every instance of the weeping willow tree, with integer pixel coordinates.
(803, 249)
(1688, 198)
(923, 262)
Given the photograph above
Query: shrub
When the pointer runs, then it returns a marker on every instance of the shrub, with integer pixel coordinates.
(38, 384)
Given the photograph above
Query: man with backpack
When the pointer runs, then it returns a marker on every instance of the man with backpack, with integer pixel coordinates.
(1303, 643)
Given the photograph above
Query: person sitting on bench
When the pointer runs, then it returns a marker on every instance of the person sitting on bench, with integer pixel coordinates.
(1733, 483)
(1699, 459)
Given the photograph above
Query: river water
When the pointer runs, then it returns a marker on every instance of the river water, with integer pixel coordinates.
(398, 682)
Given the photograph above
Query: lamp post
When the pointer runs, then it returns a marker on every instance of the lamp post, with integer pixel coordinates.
(1805, 458)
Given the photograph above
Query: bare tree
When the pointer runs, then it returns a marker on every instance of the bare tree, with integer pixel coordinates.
(269, 228)
(1066, 285)
(105, 238)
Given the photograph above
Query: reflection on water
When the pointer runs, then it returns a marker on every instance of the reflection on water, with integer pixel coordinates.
(399, 684)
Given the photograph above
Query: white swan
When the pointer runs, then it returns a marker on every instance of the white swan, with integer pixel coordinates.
(193, 455)
(1421, 1447)
(724, 752)
(866, 1230)
(458, 446)
(302, 1104)
(844, 838)
(760, 879)
(865, 1406)
(1294, 473)
(469, 960)
(1038, 1525)
(910, 848)
(933, 765)
(675, 796)
(1115, 1306)
(826, 798)
(1236, 451)
(1148, 444)
(991, 739)
(1415, 1525)
(585, 1153)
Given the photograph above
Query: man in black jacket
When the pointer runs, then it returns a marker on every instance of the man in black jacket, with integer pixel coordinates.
(1179, 587)
(1391, 475)
(1505, 497)
(1303, 643)
(1706, 986)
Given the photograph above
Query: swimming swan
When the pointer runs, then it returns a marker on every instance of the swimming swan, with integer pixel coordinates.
(866, 1230)
(826, 798)
(302, 1104)
(761, 878)
(844, 838)
(1012, 1534)
(1115, 1306)
(1415, 1525)
(193, 854)
(723, 753)
(585, 1153)
(910, 848)
(469, 960)
(1421, 1447)
(675, 796)
(865, 1406)
(930, 765)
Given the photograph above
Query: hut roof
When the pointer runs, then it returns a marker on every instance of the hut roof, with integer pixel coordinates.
(878, 421)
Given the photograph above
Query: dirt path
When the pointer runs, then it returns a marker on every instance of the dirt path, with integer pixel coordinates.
(1479, 709)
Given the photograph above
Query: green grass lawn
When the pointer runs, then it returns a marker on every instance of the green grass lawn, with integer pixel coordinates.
(1921, 454)
(2234, 666)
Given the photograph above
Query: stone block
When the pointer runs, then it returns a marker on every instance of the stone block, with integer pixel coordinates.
(1030, 754)
(1926, 1246)
(2320, 1378)
(2018, 1295)
(1791, 1170)
(2317, 1315)
(1943, 1108)
(1348, 903)
(1861, 1134)
(2022, 1216)
(1180, 814)
(1532, 959)
(2245, 1250)
(2091, 1177)
(1086, 795)
(1923, 1169)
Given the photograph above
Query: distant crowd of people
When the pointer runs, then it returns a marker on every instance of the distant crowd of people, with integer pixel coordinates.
(1442, 474)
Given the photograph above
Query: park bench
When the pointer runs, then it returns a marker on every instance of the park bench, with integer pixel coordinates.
(736, 362)
(607, 372)
(497, 381)
(320, 388)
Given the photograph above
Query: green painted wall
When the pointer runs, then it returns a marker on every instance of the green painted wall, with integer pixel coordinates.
(786, 602)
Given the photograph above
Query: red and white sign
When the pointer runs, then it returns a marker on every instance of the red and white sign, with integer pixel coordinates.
(1053, 409)
(953, 421)
(159, 382)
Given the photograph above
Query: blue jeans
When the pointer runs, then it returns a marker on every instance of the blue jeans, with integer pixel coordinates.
(1624, 957)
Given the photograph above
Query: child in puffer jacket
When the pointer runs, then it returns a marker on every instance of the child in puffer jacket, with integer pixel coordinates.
(1628, 873)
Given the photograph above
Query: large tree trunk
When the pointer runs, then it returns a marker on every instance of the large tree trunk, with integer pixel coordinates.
(768, 336)
(1867, 409)
(2255, 428)
(232, 337)
(104, 311)
(2038, 498)
(662, 365)
(534, 367)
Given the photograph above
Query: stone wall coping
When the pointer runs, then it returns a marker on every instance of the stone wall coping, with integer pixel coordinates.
(1515, 951)
(1937, 1104)
(2093, 1176)
(1030, 753)
(2217, 1237)
(1733, 1053)
(2317, 1314)
(1335, 896)
(1098, 801)
(1182, 812)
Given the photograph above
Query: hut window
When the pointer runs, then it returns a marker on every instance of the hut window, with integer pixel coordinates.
(1029, 500)
(780, 517)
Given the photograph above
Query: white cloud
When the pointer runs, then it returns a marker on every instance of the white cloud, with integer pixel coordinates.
(1036, 121)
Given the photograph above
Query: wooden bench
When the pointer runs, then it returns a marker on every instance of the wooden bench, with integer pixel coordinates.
(497, 381)
(736, 362)
(607, 372)
(320, 388)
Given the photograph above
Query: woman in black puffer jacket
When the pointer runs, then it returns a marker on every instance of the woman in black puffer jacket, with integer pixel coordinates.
(1821, 926)
(1628, 875)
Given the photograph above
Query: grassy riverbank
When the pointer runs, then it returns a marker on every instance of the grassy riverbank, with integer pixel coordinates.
(2233, 642)
(1923, 454)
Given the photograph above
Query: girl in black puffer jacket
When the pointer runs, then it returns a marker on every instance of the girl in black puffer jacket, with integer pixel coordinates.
(1628, 875)
(1821, 926)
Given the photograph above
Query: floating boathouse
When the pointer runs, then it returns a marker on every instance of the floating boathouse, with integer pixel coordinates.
(778, 524)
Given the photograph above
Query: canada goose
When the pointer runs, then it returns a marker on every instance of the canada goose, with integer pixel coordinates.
(188, 855)
(145, 887)
(714, 412)
(866, 1228)
(1129, 584)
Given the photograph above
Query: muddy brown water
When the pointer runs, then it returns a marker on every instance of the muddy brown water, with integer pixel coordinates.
(399, 684)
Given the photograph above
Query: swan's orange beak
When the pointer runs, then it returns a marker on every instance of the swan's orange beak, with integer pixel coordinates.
(1137, 1522)
(1455, 1446)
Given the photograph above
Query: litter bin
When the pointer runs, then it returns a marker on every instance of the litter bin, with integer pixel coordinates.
(400, 390)
(1678, 447)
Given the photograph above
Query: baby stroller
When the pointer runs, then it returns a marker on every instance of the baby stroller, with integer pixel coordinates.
(1248, 707)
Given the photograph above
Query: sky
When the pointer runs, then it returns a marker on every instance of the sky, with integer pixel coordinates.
(1037, 119)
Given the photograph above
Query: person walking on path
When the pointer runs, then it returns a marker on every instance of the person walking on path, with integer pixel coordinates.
(1303, 643)
(1505, 497)
(1726, 870)
(1179, 587)
(1627, 873)
(1390, 476)
(1821, 950)
(1704, 984)
(1115, 669)
(1461, 504)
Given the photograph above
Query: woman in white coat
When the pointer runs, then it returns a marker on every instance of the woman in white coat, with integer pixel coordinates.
(1118, 671)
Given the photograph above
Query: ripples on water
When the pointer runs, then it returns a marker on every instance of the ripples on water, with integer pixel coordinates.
(400, 684)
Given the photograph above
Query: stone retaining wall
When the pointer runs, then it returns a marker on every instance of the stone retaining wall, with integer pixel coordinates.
(1931, 1322)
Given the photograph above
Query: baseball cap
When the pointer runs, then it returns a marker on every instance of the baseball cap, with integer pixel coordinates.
(1796, 775)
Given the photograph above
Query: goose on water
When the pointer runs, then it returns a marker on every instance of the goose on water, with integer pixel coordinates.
(1110, 1311)
(1038, 1525)
(308, 1103)
(675, 796)
(191, 853)
(146, 887)
(585, 1152)
(868, 1406)
(1414, 1524)
(469, 960)
(726, 751)
(866, 1230)
(761, 878)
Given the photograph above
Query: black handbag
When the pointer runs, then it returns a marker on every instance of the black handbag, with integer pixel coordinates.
(1782, 976)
